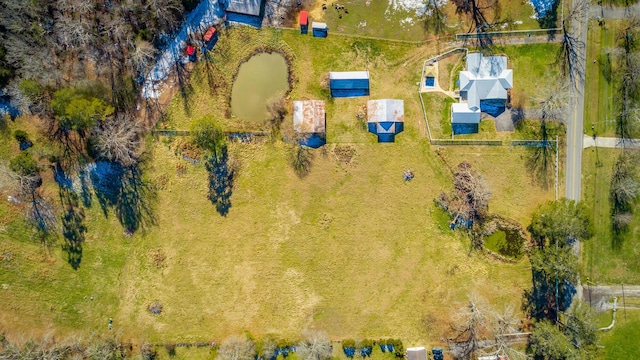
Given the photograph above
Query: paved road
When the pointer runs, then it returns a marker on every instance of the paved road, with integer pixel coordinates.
(575, 123)
(599, 296)
(609, 12)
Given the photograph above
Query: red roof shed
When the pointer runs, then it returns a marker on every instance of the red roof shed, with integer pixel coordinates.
(210, 34)
(304, 18)
(190, 50)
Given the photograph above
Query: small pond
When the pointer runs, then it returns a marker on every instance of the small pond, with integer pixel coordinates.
(505, 242)
(260, 78)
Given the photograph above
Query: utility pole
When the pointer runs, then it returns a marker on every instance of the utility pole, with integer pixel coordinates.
(624, 303)
(557, 170)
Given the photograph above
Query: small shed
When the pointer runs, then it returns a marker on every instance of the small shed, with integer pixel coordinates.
(385, 118)
(349, 84)
(210, 38)
(416, 353)
(191, 52)
(310, 121)
(304, 22)
(248, 12)
(430, 76)
(319, 29)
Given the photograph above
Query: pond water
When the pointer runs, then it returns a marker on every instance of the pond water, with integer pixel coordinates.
(505, 242)
(261, 77)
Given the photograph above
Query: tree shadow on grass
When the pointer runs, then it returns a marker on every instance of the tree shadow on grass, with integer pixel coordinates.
(221, 177)
(124, 189)
(541, 158)
(73, 228)
(540, 301)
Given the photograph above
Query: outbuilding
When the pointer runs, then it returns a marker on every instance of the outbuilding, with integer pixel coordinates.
(385, 118)
(210, 37)
(191, 52)
(349, 84)
(319, 29)
(309, 122)
(416, 353)
(304, 22)
(248, 12)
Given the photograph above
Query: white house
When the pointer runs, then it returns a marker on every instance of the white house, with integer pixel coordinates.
(483, 88)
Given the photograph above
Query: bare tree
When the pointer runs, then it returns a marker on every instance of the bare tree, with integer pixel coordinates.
(236, 348)
(301, 160)
(470, 198)
(118, 139)
(142, 56)
(315, 346)
(476, 11)
(472, 326)
(435, 16)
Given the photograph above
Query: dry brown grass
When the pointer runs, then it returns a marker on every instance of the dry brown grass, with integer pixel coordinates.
(352, 248)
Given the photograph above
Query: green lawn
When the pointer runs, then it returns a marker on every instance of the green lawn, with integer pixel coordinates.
(601, 88)
(607, 261)
(352, 248)
(621, 342)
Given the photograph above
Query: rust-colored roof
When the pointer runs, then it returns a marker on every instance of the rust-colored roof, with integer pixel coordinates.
(209, 34)
(386, 110)
(309, 116)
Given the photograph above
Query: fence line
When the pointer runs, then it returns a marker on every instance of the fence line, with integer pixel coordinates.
(492, 34)
(466, 142)
(230, 134)
(533, 143)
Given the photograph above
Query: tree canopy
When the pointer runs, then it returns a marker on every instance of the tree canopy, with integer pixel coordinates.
(78, 111)
(559, 221)
(208, 135)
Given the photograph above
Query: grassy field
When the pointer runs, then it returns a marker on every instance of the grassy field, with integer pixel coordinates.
(604, 260)
(601, 87)
(351, 248)
(620, 343)
(395, 20)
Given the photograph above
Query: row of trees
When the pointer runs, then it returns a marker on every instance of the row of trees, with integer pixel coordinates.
(315, 345)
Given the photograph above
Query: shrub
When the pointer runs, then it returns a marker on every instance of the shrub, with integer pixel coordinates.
(349, 347)
(366, 347)
(383, 345)
(155, 307)
(171, 349)
(21, 135)
(148, 352)
(24, 164)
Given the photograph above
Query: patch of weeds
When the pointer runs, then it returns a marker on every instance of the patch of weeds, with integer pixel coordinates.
(344, 154)
(155, 308)
(158, 258)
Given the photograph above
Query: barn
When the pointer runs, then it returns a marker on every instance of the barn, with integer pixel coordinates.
(483, 88)
(249, 12)
(385, 118)
(304, 22)
(319, 29)
(309, 122)
(349, 84)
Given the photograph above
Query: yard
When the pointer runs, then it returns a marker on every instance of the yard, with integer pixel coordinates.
(351, 248)
(604, 260)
